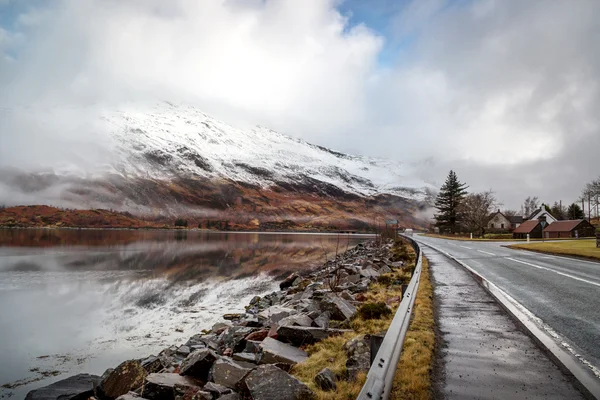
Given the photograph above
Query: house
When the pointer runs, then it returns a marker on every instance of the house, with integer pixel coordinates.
(569, 229)
(533, 228)
(542, 212)
(515, 221)
(500, 222)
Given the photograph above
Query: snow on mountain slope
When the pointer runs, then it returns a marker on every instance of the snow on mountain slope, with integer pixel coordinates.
(167, 140)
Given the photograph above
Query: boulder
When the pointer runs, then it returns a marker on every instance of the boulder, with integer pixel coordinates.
(198, 364)
(358, 351)
(219, 327)
(258, 335)
(162, 386)
(232, 316)
(369, 272)
(217, 391)
(184, 350)
(183, 392)
(129, 375)
(153, 364)
(246, 357)
(325, 379)
(288, 282)
(296, 320)
(274, 314)
(268, 382)
(274, 351)
(339, 308)
(234, 337)
(228, 372)
(322, 321)
(385, 270)
(301, 335)
(252, 346)
(75, 387)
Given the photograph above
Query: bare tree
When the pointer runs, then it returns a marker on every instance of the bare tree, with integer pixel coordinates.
(530, 205)
(476, 209)
(510, 213)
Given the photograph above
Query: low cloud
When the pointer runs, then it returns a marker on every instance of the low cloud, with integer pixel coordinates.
(505, 92)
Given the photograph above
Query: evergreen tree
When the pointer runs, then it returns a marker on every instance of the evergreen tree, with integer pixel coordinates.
(448, 201)
(575, 212)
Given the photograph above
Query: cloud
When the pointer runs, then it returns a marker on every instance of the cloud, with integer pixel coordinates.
(505, 92)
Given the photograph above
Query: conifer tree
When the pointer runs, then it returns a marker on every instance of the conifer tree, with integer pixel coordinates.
(448, 201)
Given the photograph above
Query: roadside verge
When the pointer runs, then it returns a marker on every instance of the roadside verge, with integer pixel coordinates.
(586, 377)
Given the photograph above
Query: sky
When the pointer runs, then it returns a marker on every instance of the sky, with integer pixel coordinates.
(505, 92)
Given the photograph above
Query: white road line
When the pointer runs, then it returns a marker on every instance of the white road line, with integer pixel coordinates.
(485, 252)
(465, 247)
(556, 272)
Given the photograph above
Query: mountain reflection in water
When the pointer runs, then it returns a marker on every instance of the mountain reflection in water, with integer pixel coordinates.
(85, 300)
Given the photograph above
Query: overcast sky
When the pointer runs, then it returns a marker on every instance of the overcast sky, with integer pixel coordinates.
(505, 92)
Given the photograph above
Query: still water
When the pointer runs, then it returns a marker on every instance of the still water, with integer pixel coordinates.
(84, 300)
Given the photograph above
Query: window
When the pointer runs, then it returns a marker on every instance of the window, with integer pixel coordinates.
(502, 226)
(492, 226)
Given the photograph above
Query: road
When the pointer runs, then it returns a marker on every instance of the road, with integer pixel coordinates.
(563, 292)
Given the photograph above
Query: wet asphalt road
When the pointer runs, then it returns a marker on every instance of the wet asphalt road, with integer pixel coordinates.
(483, 354)
(563, 292)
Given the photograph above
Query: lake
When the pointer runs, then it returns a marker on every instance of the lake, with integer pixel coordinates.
(84, 300)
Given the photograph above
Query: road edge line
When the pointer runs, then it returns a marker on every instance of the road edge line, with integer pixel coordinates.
(583, 377)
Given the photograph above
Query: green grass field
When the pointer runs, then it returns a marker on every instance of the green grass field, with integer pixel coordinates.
(580, 248)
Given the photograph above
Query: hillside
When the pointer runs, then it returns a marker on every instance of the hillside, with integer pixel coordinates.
(168, 161)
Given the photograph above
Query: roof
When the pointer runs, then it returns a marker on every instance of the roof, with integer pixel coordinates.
(527, 226)
(563, 226)
(534, 213)
(515, 219)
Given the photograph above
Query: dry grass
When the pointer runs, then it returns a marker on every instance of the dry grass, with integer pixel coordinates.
(413, 377)
(331, 354)
(580, 248)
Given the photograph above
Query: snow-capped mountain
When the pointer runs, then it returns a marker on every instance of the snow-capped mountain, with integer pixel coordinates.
(173, 160)
(169, 139)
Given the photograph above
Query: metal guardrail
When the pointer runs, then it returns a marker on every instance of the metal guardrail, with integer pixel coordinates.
(381, 375)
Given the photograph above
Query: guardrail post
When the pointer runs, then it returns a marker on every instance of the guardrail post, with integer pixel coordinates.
(375, 343)
(404, 287)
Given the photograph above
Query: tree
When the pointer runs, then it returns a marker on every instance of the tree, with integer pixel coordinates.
(529, 206)
(510, 213)
(475, 210)
(558, 211)
(575, 212)
(448, 201)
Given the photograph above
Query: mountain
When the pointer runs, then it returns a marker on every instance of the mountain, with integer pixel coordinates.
(170, 160)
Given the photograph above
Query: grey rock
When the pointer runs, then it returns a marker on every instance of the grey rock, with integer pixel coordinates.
(301, 335)
(385, 270)
(325, 379)
(220, 327)
(198, 364)
(340, 309)
(216, 390)
(162, 386)
(184, 350)
(228, 372)
(369, 273)
(233, 338)
(296, 320)
(268, 382)
(276, 313)
(274, 351)
(129, 375)
(252, 346)
(358, 352)
(322, 321)
(153, 364)
(73, 388)
(247, 357)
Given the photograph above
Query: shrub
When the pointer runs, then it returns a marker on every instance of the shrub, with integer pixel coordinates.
(374, 310)
(181, 222)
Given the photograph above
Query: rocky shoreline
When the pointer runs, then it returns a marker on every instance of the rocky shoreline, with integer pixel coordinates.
(250, 355)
